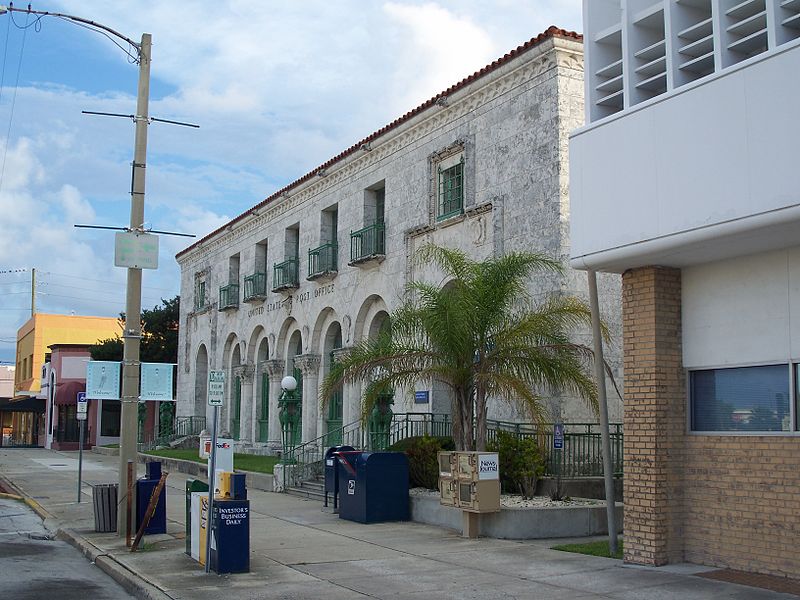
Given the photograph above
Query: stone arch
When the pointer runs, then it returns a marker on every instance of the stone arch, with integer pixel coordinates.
(253, 343)
(366, 313)
(200, 381)
(326, 317)
(288, 327)
(378, 323)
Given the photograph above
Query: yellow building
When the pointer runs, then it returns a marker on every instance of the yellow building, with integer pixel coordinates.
(41, 330)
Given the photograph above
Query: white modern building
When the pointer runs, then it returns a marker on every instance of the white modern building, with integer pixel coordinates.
(321, 264)
(684, 180)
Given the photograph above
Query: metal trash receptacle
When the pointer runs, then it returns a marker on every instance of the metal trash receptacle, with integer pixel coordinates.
(104, 499)
(332, 473)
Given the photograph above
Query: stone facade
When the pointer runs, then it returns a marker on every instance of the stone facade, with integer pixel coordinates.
(509, 125)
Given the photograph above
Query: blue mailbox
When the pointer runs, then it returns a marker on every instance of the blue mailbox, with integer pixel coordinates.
(332, 472)
(374, 486)
(144, 489)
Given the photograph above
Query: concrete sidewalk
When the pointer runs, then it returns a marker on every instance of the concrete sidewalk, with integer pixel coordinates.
(298, 551)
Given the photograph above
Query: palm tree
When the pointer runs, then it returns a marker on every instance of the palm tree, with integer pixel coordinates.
(481, 335)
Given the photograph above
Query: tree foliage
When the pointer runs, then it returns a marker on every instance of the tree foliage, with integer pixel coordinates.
(480, 334)
(159, 335)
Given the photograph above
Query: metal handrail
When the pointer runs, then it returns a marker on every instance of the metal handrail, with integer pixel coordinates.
(368, 241)
(255, 286)
(285, 274)
(183, 427)
(323, 259)
(229, 296)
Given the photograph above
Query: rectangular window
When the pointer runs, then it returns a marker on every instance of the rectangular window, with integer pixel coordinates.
(200, 294)
(753, 399)
(451, 188)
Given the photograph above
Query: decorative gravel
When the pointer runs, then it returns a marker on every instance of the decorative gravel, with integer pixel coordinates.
(512, 501)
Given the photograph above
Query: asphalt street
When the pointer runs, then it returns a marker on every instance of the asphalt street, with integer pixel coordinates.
(35, 566)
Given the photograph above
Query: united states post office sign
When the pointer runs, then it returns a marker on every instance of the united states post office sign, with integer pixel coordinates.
(488, 467)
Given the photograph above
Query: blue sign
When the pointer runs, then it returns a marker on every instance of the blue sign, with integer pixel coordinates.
(421, 397)
(102, 379)
(558, 436)
(156, 381)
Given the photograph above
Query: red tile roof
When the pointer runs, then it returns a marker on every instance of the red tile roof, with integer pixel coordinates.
(551, 32)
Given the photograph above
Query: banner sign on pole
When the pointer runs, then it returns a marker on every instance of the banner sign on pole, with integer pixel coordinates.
(156, 381)
(216, 388)
(102, 379)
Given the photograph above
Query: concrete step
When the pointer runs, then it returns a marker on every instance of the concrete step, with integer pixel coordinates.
(305, 492)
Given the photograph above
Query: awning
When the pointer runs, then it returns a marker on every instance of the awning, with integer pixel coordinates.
(67, 392)
(29, 404)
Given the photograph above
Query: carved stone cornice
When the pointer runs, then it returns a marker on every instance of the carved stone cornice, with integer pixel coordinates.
(245, 373)
(274, 367)
(308, 364)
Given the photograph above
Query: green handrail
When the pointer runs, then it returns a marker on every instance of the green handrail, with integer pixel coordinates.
(322, 260)
(255, 286)
(229, 296)
(368, 241)
(285, 274)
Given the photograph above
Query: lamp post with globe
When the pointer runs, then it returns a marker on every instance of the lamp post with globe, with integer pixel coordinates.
(289, 414)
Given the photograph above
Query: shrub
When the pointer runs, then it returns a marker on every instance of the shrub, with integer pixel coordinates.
(521, 462)
(423, 463)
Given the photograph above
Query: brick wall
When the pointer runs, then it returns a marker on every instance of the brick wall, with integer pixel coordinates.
(654, 414)
(728, 501)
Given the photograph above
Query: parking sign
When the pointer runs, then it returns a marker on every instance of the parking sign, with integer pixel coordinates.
(216, 388)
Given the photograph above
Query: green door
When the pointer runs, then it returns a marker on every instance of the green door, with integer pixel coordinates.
(333, 420)
(237, 407)
(263, 415)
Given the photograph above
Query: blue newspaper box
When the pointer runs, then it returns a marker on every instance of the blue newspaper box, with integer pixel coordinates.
(332, 472)
(373, 486)
(230, 536)
(144, 489)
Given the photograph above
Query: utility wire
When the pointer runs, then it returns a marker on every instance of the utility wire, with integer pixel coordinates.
(14, 97)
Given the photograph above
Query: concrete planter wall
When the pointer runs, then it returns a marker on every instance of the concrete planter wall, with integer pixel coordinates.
(520, 523)
(255, 481)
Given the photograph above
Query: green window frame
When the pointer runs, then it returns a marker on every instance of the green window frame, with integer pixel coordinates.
(450, 192)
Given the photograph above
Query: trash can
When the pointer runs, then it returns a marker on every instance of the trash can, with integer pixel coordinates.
(104, 499)
(144, 489)
(374, 486)
(230, 541)
(192, 485)
(332, 473)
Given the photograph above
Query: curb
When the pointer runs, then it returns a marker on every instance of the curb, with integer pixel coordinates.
(130, 581)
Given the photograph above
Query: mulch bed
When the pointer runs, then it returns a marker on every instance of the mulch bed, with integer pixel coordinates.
(767, 582)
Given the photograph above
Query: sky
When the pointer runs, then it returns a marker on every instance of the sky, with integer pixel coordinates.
(277, 88)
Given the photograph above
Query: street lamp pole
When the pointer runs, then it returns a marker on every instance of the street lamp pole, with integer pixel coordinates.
(133, 300)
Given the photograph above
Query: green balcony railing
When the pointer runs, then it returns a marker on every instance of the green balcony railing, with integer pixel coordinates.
(322, 260)
(229, 296)
(368, 242)
(285, 274)
(255, 286)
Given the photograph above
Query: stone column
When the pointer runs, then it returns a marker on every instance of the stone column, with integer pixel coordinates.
(275, 369)
(309, 365)
(655, 415)
(245, 373)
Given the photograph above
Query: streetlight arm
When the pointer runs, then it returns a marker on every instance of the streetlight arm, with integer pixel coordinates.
(45, 13)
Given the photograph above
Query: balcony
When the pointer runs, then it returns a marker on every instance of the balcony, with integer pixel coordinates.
(368, 244)
(229, 296)
(255, 287)
(322, 262)
(285, 275)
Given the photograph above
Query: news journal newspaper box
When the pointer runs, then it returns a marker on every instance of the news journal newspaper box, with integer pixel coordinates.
(470, 481)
